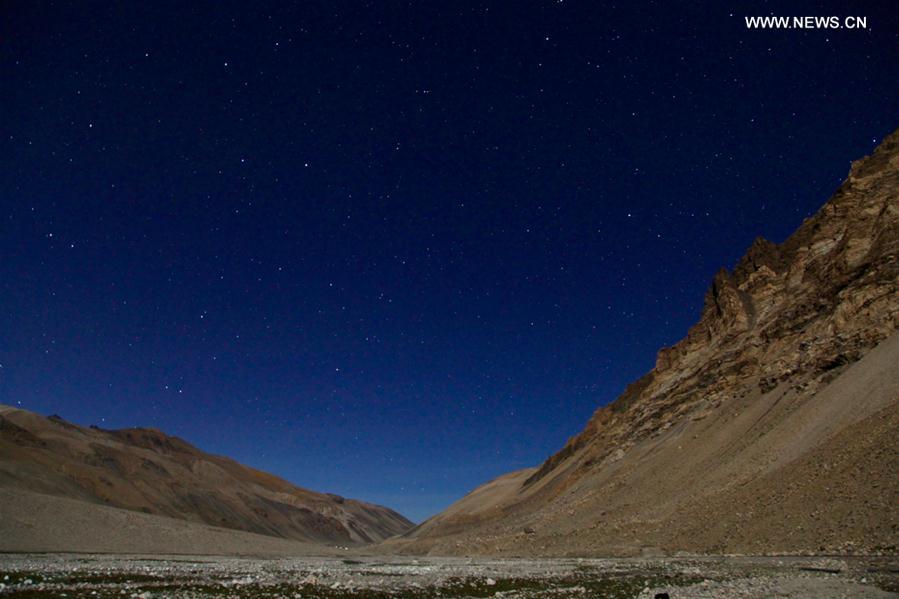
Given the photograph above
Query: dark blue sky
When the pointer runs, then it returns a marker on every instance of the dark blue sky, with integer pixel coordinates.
(392, 250)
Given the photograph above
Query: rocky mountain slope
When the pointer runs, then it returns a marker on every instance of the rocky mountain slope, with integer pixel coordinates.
(39, 523)
(770, 427)
(147, 471)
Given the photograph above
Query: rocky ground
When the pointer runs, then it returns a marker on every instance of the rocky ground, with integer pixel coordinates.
(91, 576)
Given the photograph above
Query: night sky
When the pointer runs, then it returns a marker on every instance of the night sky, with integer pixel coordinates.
(393, 250)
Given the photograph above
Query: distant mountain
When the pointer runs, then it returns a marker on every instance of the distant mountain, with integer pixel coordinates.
(771, 427)
(147, 471)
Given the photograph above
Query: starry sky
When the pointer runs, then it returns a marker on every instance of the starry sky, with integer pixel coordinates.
(392, 250)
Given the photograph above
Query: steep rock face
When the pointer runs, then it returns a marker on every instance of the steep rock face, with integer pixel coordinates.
(791, 312)
(148, 471)
(778, 330)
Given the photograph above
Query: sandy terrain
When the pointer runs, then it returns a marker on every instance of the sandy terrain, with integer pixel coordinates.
(33, 522)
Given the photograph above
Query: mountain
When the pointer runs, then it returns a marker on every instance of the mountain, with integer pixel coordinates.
(38, 523)
(145, 470)
(771, 427)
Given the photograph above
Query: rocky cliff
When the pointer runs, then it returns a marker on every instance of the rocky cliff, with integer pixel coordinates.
(147, 471)
(769, 427)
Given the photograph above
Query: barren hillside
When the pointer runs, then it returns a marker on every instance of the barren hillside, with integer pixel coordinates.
(148, 471)
(770, 427)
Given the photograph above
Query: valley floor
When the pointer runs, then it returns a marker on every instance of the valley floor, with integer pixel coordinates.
(94, 576)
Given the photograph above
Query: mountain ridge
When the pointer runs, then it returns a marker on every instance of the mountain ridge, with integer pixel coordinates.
(148, 471)
(777, 331)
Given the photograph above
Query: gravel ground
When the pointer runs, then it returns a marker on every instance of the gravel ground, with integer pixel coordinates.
(91, 576)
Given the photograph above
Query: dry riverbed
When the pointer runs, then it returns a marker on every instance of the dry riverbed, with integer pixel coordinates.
(96, 576)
